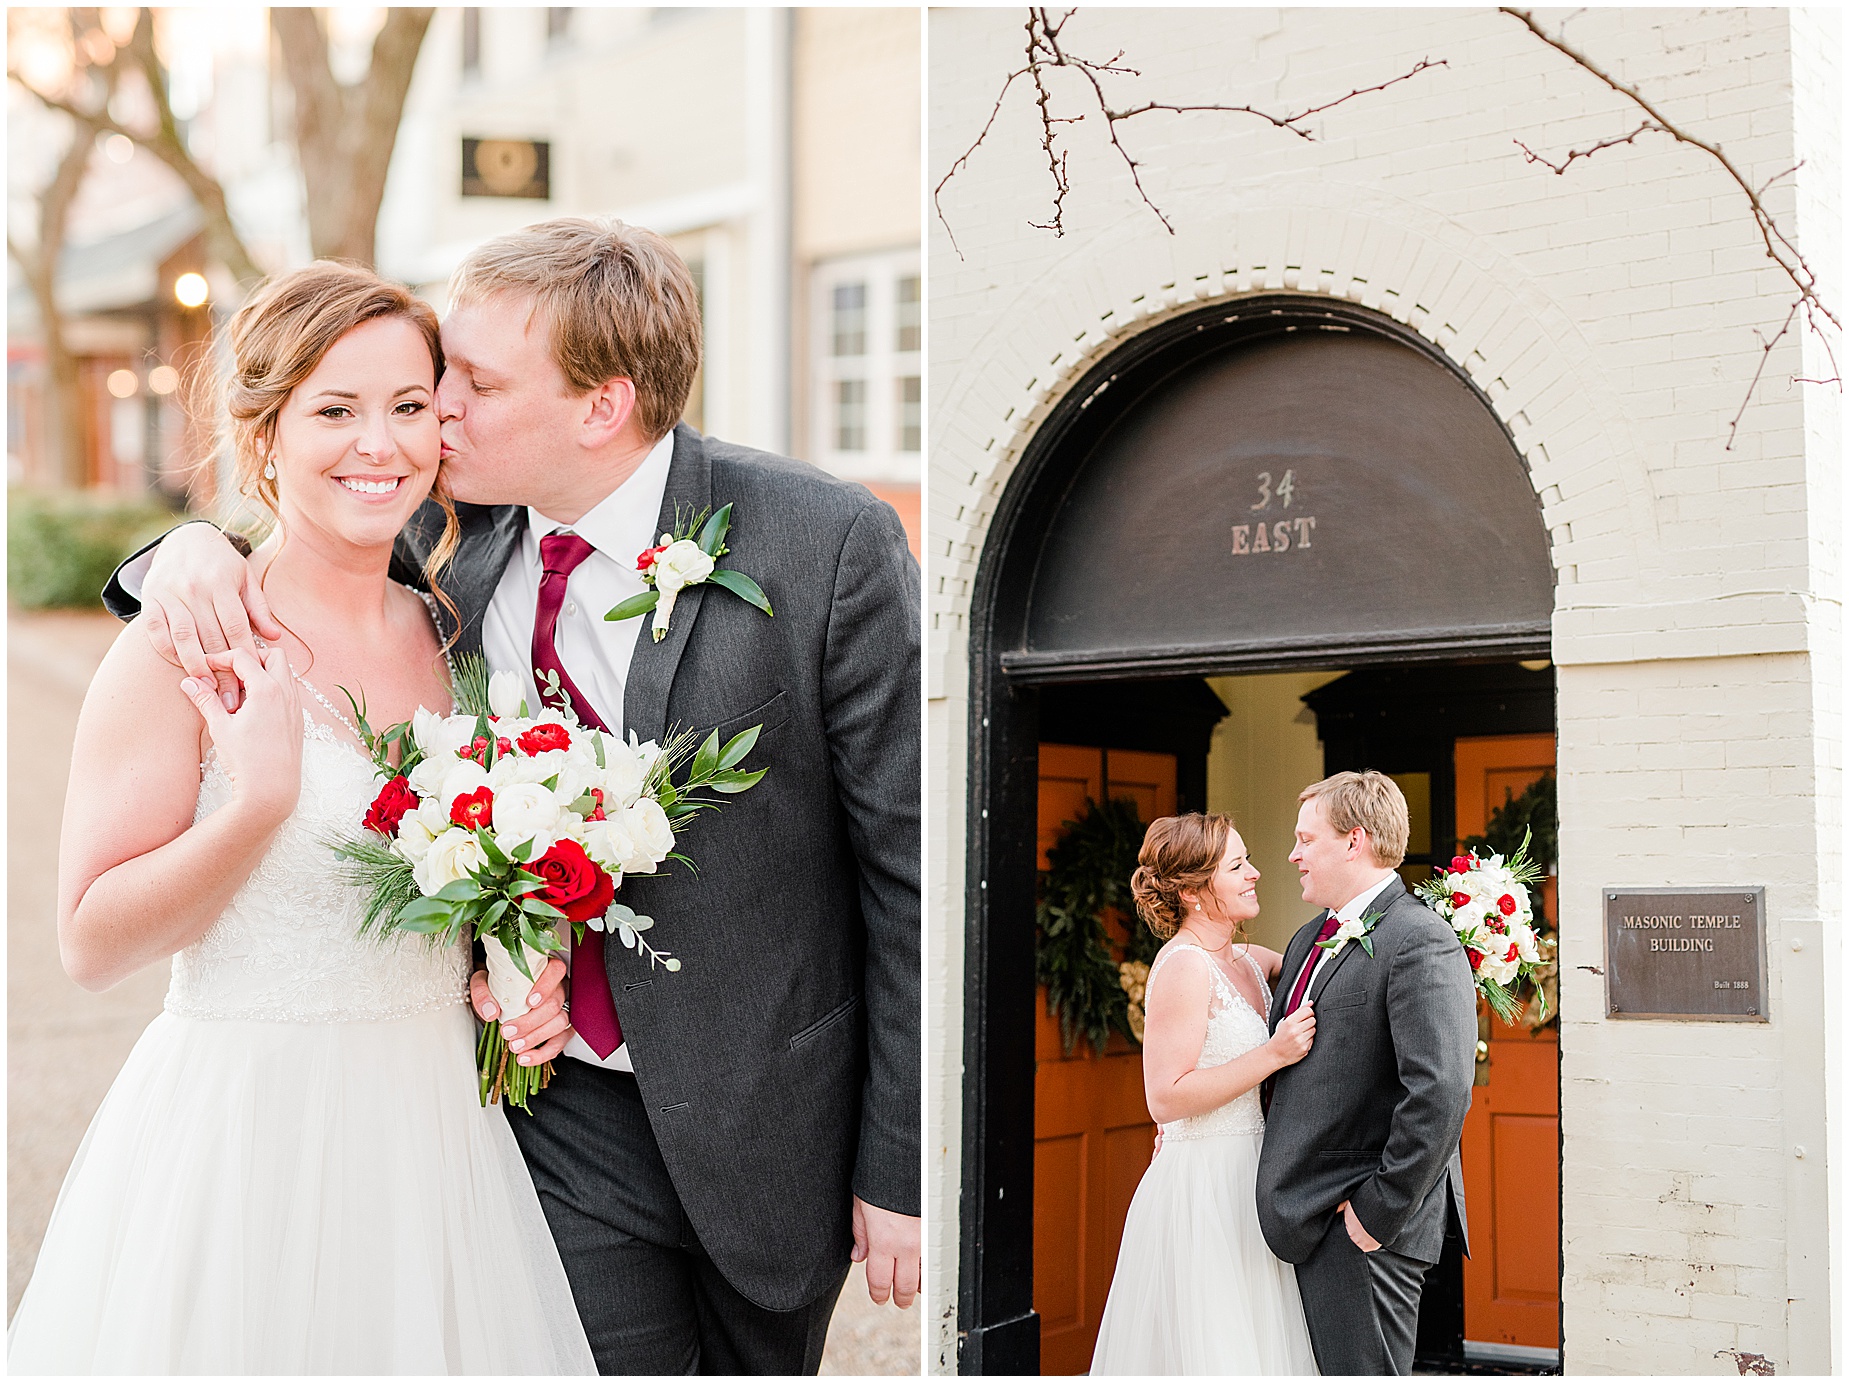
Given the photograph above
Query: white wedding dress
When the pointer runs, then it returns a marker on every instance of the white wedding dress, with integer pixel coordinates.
(293, 1173)
(1196, 1290)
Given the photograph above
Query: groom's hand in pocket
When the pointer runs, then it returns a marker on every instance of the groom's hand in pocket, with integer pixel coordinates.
(1361, 1239)
(889, 1244)
(539, 1034)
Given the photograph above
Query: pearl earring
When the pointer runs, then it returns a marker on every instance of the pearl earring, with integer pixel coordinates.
(269, 470)
(1197, 907)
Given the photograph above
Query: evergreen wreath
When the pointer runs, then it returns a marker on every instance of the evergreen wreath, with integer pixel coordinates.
(1089, 871)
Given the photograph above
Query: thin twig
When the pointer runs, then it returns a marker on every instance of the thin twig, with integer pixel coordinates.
(1779, 248)
(1043, 51)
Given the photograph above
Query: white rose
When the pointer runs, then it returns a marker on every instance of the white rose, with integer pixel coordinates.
(610, 844)
(451, 856)
(625, 771)
(464, 776)
(648, 827)
(1495, 968)
(517, 768)
(427, 778)
(682, 565)
(523, 812)
(419, 828)
(506, 700)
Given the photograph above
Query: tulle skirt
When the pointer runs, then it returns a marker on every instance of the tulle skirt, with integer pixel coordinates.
(299, 1198)
(1196, 1289)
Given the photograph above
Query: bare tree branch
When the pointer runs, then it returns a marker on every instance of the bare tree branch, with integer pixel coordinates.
(1779, 248)
(1044, 52)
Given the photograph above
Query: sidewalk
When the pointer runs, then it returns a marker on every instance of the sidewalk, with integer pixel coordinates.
(64, 1046)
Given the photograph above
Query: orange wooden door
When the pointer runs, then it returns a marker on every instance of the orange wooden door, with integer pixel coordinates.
(1092, 1131)
(1512, 1133)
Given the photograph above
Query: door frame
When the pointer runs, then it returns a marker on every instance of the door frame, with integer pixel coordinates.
(998, 1330)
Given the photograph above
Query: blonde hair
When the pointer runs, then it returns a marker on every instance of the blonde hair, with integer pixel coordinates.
(619, 302)
(1372, 801)
(1179, 852)
(278, 338)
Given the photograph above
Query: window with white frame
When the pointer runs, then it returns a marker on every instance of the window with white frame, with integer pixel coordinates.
(867, 343)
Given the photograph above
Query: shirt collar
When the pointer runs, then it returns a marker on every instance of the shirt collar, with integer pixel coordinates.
(621, 525)
(1351, 910)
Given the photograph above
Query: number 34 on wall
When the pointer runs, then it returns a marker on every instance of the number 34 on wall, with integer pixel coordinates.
(1280, 535)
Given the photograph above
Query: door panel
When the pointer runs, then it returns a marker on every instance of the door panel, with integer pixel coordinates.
(1092, 1131)
(1511, 1141)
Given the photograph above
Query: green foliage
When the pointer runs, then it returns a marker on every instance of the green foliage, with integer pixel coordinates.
(1535, 815)
(1089, 871)
(62, 545)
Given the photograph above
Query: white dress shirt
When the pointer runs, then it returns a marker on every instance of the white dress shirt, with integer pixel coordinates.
(594, 653)
(1350, 911)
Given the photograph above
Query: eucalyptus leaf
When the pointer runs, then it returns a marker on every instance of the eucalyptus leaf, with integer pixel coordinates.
(738, 746)
(714, 533)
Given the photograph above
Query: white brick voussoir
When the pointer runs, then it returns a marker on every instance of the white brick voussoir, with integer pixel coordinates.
(1320, 238)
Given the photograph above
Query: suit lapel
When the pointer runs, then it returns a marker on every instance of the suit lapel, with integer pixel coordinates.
(651, 672)
(1379, 904)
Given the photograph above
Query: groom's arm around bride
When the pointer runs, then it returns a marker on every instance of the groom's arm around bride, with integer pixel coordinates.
(1360, 1174)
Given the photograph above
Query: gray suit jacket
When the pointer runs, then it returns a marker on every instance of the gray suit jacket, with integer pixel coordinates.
(1374, 1113)
(780, 1066)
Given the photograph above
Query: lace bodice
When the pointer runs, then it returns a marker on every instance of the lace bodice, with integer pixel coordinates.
(289, 948)
(1233, 1029)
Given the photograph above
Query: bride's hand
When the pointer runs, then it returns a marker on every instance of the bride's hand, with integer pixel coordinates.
(260, 743)
(1292, 1041)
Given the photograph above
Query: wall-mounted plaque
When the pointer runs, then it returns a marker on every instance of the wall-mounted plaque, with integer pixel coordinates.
(507, 168)
(1693, 953)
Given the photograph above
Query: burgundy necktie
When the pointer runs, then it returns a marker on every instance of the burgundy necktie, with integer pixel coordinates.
(593, 1012)
(1330, 926)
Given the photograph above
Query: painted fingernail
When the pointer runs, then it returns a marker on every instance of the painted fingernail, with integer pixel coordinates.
(517, 1044)
(533, 1001)
(231, 702)
(507, 1030)
(526, 1061)
(490, 1012)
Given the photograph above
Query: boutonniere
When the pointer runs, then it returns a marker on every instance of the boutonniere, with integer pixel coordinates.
(682, 560)
(1354, 929)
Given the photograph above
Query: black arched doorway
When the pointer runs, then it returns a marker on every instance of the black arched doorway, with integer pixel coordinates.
(1272, 484)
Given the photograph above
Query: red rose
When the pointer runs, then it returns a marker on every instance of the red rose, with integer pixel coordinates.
(389, 807)
(1476, 956)
(1507, 904)
(543, 737)
(1459, 900)
(473, 811)
(574, 883)
(1460, 864)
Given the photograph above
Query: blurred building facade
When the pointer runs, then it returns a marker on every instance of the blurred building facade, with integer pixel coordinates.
(777, 149)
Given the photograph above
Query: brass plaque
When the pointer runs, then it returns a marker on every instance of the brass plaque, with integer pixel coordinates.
(1693, 953)
(507, 168)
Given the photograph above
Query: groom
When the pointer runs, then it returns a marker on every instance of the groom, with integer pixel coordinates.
(1360, 1175)
(716, 1140)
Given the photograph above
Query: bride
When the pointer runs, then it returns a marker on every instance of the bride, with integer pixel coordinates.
(292, 1174)
(1196, 1290)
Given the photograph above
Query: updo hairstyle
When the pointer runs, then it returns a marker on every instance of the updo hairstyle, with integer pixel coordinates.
(1179, 852)
(280, 335)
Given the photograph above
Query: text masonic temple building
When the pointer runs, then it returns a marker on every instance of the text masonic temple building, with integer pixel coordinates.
(1403, 452)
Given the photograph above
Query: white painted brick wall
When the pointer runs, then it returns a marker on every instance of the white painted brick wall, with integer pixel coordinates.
(1610, 314)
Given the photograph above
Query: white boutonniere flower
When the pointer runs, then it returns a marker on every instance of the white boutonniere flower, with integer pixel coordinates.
(1354, 929)
(681, 560)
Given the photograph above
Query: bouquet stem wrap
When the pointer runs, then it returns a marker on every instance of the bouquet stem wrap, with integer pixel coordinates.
(500, 1073)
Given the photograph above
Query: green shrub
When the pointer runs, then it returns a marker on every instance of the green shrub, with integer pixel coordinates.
(61, 545)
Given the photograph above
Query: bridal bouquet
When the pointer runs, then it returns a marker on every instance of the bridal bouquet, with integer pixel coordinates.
(513, 824)
(1485, 899)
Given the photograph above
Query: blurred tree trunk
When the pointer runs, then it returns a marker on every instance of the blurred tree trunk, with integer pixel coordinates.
(64, 408)
(344, 135)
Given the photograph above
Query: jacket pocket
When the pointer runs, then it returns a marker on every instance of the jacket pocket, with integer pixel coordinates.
(769, 714)
(1346, 998)
(828, 1020)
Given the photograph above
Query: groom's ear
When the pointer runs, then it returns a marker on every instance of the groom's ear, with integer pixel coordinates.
(607, 411)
